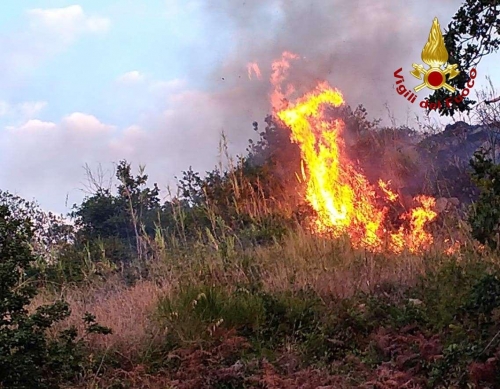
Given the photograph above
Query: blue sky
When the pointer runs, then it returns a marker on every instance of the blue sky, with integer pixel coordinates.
(113, 63)
(161, 40)
(156, 81)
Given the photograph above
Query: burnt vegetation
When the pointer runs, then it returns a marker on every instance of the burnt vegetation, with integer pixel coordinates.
(223, 285)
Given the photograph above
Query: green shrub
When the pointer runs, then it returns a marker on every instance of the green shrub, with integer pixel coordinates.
(484, 216)
(445, 290)
(192, 312)
(28, 359)
(485, 295)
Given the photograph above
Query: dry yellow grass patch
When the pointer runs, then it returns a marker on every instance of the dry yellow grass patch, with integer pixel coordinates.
(126, 310)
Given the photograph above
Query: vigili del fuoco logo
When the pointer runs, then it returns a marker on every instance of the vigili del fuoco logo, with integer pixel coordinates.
(436, 75)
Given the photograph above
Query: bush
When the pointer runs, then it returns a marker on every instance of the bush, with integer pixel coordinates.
(485, 213)
(194, 311)
(28, 359)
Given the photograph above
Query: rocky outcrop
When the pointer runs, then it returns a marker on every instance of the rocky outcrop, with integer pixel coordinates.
(446, 157)
(458, 142)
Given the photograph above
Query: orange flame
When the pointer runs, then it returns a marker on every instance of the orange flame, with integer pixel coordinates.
(278, 76)
(385, 188)
(253, 67)
(344, 200)
(453, 247)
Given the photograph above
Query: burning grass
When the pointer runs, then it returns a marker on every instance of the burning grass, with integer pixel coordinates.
(349, 286)
(341, 195)
(304, 309)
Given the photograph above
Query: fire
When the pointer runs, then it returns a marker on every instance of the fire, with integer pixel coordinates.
(278, 76)
(453, 247)
(385, 188)
(344, 200)
(419, 217)
(253, 67)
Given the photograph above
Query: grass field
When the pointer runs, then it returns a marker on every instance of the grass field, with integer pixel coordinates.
(305, 312)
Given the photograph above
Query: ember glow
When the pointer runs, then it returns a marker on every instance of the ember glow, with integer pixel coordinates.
(344, 200)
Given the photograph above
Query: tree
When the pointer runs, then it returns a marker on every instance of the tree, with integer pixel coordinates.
(473, 33)
(119, 219)
(51, 233)
(488, 115)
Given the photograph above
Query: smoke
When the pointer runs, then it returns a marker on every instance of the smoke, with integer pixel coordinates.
(355, 46)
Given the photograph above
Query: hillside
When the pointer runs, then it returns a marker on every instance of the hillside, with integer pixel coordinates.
(231, 286)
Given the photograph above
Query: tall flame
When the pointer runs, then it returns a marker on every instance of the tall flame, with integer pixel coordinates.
(344, 200)
(434, 52)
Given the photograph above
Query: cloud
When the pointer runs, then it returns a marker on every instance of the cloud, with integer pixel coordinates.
(85, 125)
(22, 111)
(67, 22)
(32, 127)
(30, 109)
(53, 155)
(131, 77)
(167, 86)
(48, 32)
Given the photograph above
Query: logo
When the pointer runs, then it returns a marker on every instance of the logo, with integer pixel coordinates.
(435, 55)
(436, 75)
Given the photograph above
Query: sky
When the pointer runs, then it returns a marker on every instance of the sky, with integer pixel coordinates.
(155, 82)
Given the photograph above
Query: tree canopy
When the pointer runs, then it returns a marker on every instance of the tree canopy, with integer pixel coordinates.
(473, 33)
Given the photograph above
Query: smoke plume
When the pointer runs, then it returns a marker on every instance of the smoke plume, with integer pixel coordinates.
(355, 46)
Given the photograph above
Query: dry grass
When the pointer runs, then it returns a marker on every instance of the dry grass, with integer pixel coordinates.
(126, 310)
(330, 267)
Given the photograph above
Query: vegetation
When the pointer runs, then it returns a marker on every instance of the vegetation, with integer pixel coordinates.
(27, 358)
(485, 216)
(224, 286)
